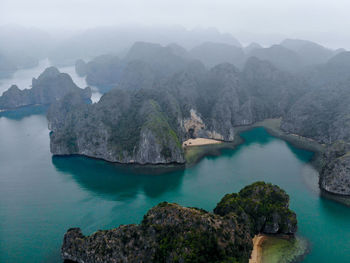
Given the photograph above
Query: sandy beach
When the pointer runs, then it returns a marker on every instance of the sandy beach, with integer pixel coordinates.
(199, 141)
(256, 256)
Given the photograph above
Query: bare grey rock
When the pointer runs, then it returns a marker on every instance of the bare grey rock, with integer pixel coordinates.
(335, 175)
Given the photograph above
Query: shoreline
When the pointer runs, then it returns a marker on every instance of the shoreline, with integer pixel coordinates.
(272, 126)
(199, 142)
(210, 147)
(278, 248)
(256, 256)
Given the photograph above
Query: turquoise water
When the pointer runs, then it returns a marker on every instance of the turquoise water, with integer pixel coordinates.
(41, 197)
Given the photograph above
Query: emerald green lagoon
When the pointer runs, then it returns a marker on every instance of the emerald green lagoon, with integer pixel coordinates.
(42, 196)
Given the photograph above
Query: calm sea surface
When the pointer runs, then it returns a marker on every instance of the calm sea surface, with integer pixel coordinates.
(42, 196)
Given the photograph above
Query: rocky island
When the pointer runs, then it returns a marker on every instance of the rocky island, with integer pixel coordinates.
(172, 233)
(162, 97)
(147, 124)
(49, 87)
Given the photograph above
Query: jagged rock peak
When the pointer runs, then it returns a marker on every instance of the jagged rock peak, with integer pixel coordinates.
(49, 72)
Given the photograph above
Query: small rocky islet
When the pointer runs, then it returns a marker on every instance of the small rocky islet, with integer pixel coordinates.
(48, 88)
(172, 233)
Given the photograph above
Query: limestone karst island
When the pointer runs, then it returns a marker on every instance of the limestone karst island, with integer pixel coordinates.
(174, 131)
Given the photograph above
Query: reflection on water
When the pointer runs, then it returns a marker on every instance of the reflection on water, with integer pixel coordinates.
(23, 112)
(42, 196)
(114, 182)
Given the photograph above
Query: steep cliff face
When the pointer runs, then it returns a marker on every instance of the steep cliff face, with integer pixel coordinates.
(322, 115)
(264, 207)
(335, 175)
(214, 102)
(171, 233)
(276, 90)
(160, 112)
(122, 127)
(50, 86)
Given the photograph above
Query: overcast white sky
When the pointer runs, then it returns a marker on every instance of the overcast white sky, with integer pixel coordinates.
(326, 21)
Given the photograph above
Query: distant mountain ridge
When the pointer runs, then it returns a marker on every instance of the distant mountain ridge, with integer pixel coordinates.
(159, 62)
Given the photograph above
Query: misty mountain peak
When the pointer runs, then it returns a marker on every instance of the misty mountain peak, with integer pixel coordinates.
(140, 50)
(49, 73)
(252, 46)
(341, 59)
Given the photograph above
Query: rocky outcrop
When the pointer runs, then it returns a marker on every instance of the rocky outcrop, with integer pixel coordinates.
(335, 174)
(50, 87)
(207, 103)
(168, 233)
(123, 127)
(161, 113)
(322, 115)
(264, 207)
(172, 233)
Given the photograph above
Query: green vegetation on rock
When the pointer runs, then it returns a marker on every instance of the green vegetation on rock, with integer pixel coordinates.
(172, 233)
(263, 206)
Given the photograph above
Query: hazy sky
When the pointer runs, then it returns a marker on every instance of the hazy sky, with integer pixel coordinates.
(326, 21)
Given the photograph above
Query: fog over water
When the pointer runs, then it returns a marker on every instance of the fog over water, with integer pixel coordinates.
(267, 22)
(209, 67)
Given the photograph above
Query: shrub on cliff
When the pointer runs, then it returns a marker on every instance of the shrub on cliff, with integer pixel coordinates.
(265, 207)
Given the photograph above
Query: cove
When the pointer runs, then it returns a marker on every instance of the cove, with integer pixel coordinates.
(42, 196)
